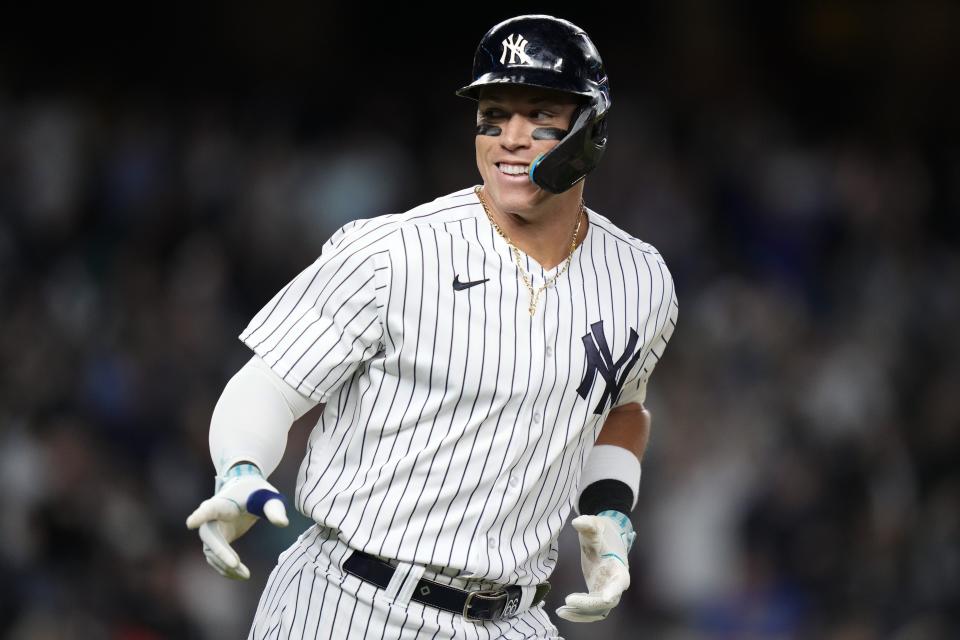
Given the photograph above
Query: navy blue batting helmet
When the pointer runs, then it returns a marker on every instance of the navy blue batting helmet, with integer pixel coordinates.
(550, 53)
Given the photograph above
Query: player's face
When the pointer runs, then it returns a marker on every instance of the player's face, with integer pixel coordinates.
(504, 159)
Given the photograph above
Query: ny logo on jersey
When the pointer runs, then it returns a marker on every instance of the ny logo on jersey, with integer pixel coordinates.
(517, 46)
(599, 360)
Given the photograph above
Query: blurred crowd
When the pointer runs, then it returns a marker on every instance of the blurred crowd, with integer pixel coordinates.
(802, 479)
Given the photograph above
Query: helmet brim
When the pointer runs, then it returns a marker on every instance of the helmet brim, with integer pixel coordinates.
(538, 78)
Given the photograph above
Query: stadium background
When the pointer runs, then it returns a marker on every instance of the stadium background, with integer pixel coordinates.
(164, 169)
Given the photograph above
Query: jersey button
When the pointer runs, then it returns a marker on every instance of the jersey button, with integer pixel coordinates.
(536, 417)
(492, 542)
(549, 352)
(514, 481)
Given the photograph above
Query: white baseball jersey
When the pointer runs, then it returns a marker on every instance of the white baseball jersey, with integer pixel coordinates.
(456, 425)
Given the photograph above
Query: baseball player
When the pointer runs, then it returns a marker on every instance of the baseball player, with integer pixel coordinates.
(482, 362)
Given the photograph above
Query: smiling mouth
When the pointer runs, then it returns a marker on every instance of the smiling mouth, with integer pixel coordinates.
(513, 169)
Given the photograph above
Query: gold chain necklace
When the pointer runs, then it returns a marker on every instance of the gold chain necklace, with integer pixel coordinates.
(527, 278)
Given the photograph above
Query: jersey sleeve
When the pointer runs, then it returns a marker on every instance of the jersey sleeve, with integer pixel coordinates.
(318, 329)
(635, 388)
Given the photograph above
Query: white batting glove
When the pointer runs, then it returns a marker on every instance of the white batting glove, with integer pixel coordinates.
(240, 500)
(605, 540)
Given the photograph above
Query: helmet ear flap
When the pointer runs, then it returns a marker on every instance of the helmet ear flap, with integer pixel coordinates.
(577, 154)
(598, 132)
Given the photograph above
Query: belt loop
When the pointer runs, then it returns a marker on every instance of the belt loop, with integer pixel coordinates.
(389, 594)
(411, 574)
(527, 598)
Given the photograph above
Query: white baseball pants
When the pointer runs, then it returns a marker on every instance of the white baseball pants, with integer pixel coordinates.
(309, 596)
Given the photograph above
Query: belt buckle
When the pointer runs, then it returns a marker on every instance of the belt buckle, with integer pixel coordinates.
(485, 594)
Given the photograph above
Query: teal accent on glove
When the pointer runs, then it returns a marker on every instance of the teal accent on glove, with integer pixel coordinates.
(238, 471)
(627, 534)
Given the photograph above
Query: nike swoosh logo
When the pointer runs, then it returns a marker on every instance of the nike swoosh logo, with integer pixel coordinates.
(460, 286)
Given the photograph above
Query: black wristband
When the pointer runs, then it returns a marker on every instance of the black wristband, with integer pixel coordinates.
(606, 495)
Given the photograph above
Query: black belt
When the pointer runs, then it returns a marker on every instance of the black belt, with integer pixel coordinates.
(472, 605)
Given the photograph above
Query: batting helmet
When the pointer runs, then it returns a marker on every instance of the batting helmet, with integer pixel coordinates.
(550, 53)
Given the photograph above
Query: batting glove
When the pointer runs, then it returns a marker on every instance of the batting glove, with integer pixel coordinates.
(241, 498)
(605, 540)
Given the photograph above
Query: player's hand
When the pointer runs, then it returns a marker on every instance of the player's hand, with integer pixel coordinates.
(241, 498)
(605, 540)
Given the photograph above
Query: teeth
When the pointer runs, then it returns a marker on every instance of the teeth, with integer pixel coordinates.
(513, 169)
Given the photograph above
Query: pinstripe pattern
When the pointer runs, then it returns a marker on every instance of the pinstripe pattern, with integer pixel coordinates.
(309, 595)
(453, 434)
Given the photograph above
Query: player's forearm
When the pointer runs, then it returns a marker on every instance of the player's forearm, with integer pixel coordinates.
(627, 426)
(252, 418)
(611, 477)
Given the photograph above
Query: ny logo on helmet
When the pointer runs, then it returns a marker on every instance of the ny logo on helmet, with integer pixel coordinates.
(517, 46)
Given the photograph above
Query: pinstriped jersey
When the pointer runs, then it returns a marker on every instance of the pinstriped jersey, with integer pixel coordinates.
(456, 425)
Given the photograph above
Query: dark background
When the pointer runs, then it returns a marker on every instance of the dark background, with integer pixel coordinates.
(164, 169)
